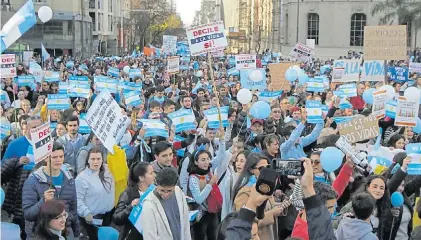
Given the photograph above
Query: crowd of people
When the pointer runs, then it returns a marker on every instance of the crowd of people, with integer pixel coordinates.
(199, 183)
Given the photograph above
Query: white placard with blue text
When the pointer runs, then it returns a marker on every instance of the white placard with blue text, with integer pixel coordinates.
(270, 96)
(373, 70)
(352, 69)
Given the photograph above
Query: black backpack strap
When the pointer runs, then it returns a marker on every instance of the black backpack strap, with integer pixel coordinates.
(222, 177)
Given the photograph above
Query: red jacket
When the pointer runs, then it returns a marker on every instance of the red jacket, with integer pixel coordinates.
(357, 102)
(300, 229)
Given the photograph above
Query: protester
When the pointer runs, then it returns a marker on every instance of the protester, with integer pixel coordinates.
(51, 222)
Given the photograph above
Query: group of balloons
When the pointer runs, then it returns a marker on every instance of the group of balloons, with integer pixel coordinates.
(259, 109)
(411, 93)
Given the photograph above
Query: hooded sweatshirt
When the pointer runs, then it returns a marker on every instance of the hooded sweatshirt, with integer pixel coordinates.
(355, 229)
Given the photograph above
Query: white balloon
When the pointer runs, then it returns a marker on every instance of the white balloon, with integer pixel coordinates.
(45, 13)
(126, 69)
(255, 75)
(244, 96)
(199, 73)
(413, 93)
(390, 91)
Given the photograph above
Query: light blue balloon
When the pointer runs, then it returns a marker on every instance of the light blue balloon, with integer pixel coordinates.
(2, 196)
(396, 199)
(10, 231)
(291, 74)
(417, 128)
(303, 78)
(107, 233)
(368, 95)
(331, 159)
(260, 110)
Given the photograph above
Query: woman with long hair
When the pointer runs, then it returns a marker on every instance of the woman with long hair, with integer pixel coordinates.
(255, 162)
(141, 177)
(51, 222)
(95, 188)
(91, 141)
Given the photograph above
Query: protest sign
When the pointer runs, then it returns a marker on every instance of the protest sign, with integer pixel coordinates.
(391, 108)
(212, 116)
(183, 120)
(302, 52)
(406, 112)
(27, 57)
(245, 61)
(346, 90)
(154, 128)
(58, 101)
(398, 74)
(105, 83)
(359, 128)
(373, 70)
(314, 111)
(50, 76)
(379, 103)
(113, 72)
(42, 142)
(106, 120)
(8, 68)
(414, 151)
(356, 156)
(169, 44)
(315, 85)
(270, 96)
(385, 42)
(351, 72)
(337, 74)
(414, 67)
(277, 76)
(206, 38)
(173, 64)
(253, 79)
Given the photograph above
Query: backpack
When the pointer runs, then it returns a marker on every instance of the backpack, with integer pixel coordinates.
(214, 200)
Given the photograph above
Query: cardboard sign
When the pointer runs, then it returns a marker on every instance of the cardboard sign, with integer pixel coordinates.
(42, 142)
(406, 112)
(8, 68)
(173, 64)
(277, 76)
(359, 128)
(206, 38)
(169, 44)
(245, 61)
(385, 42)
(302, 52)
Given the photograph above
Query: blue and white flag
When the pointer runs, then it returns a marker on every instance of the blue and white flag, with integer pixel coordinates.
(344, 104)
(342, 119)
(269, 96)
(154, 128)
(184, 67)
(135, 72)
(31, 156)
(414, 151)
(113, 72)
(105, 83)
(83, 125)
(233, 72)
(75, 80)
(5, 129)
(53, 125)
(23, 20)
(63, 87)
(346, 90)
(130, 86)
(183, 119)
(79, 90)
(44, 53)
(314, 111)
(213, 117)
(325, 109)
(132, 98)
(134, 216)
(58, 101)
(36, 70)
(398, 74)
(50, 76)
(253, 79)
(315, 85)
(391, 108)
(26, 80)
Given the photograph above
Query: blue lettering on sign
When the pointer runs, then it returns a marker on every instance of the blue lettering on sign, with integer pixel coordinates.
(398, 74)
(372, 68)
(351, 67)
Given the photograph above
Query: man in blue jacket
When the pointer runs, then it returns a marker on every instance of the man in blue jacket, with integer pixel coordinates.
(50, 182)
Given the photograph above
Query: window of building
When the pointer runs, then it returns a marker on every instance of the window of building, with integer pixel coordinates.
(70, 27)
(313, 27)
(91, 3)
(99, 21)
(53, 27)
(358, 21)
(92, 15)
(99, 4)
(110, 6)
(110, 23)
(5, 2)
(408, 33)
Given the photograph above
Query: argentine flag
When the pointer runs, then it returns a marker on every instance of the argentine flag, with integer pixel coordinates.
(58, 101)
(50, 76)
(315, 85)
(75, 80)
(70, 64)
(113, 72)
(26, 80)
(105, 83)
(45, 54)
(83, 125)
(135, 72)
(154, 128)
(183, 119)
(30, 154)
(391, 108)
(414, 151)
(213, 117)
(79, 90)
(346, 90)
(4, 130)
(63, 87)
(314, 111)
(269, 96)
(130, 86)
(23, 20)
(233, 72)
(132, 98)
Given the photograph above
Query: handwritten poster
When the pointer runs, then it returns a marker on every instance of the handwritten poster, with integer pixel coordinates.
(359, 128)
(351, 69)
(277, 76)
(387, 42)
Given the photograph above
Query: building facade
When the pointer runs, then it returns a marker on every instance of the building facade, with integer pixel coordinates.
(69, 32)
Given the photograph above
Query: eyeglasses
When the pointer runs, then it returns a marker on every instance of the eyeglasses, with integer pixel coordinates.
(62, 216)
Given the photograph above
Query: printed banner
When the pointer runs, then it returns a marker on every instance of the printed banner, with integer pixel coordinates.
(390, 108)
(173, 64)
(105, 83)
(63, 87)
(373, 70)
(79, 90)
(359, 128)
(58, 101)
(154, 128)
(76, 80)
(42, 142)
(302, 52)
(269, 96)
(406, 112)
(314, 111)
(50, 76)
(379, 103)
(8, 68)
(315, 85)
(346, 90)
(114, 72)
(206, 38)
(352, 69)
(385, 42)
(398, 74)
(213, 117)
(183, 119)
(132, 98)
(253, 79)
(26, 80)
(245, 61)
(106, 120)
(414, 67)
(169, 44)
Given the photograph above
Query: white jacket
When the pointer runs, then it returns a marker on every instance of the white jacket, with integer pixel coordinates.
(154, 220)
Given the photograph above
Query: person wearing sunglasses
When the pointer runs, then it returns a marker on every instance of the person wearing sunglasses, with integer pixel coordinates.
(51, 222)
